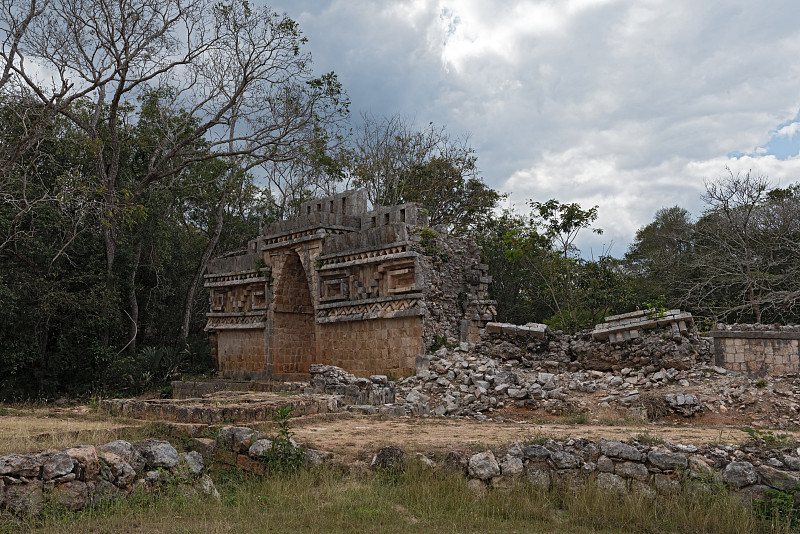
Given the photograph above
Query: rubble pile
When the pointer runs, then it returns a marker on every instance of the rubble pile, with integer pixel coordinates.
(331, 380)
(469, 381)
(660, 371)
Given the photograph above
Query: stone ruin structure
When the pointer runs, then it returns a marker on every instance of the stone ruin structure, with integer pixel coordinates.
(365, 290)
(627, 326)
(758, 350)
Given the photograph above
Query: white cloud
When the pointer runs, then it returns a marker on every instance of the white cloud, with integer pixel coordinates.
(789, 130)
(628, 105)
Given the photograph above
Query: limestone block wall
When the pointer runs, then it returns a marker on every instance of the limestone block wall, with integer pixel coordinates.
(758, 351)
(240, 352)
(364, 348)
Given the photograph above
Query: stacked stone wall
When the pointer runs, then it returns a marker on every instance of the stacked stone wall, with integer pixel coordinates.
(240, 352)
(81, 476)
(646, 470)
(758, 350)
(456, 286)
(383, 346)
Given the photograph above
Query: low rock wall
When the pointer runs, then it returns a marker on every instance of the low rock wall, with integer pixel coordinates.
(190, 389)
(80, 476)
(629, 467)
(234, 407)
(249, 450)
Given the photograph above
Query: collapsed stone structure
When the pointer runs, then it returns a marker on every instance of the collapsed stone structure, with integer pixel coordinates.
(365, 290)
(627, 326)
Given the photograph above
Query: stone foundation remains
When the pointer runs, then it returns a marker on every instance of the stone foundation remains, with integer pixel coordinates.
(758, 350)
(340, 285)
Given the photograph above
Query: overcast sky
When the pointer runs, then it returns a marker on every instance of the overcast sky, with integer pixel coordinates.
(629, 105)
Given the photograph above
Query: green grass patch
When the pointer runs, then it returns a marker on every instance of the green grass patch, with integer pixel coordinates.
(328, 500)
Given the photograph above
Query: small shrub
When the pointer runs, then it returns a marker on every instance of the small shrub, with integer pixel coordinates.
(439, 341)
(576, 417)
(284, 456)
(538, 438)
(646, 438)
(656, 406)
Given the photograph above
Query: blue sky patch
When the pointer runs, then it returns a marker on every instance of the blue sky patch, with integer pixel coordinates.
(785, 141)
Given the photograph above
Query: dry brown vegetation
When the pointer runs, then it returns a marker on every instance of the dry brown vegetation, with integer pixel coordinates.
(28, 428)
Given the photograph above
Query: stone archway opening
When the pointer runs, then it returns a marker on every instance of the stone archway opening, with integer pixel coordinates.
(294, 343)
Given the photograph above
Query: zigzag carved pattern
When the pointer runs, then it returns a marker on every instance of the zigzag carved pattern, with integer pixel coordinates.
(370, 308)
(214, 322)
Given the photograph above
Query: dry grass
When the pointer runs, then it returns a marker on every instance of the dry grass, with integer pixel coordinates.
(33, 427)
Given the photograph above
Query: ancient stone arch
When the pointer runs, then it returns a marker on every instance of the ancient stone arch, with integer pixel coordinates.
(292, 344)
(367, 290)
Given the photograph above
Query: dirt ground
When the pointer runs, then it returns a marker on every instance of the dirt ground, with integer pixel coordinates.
(358, 437)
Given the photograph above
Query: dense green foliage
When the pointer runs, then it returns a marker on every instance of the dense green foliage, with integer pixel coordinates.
(539, 274)
(740, 261)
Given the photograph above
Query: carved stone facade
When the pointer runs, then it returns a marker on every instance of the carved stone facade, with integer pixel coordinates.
(339, 285)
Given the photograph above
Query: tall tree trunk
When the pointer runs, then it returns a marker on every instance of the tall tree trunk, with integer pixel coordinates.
(111, 286)
(133, 303)
(201, 267)
(43, 338)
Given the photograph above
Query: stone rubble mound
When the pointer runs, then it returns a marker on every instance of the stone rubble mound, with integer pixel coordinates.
(331, 380)
(532, 367)
(477, 379)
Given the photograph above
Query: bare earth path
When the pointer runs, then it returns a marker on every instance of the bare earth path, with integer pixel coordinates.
(358, 437)
(361, 436)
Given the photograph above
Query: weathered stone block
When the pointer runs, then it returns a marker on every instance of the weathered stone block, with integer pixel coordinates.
(539, 475)
(611, 482)
(667, 461)
(740, 474)
(631, 470)
(483, 466)
(86, 458)
(72, 495)
(617, 449)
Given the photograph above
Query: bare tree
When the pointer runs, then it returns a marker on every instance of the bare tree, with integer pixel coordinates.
(397, 163)
(231, 81)
(746, 249)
